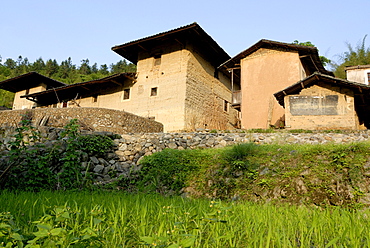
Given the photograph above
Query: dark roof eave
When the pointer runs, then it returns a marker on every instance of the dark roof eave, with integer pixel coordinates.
(130, 50)
(131, 76)
(11, 83)
(156, 36)
(303, 50)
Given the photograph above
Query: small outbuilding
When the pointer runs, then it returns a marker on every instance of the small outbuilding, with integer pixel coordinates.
(28, 83)
(324, 102)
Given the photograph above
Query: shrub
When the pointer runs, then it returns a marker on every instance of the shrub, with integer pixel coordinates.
(168, 170)
(96, 145)
(240, 151)
(32, 167)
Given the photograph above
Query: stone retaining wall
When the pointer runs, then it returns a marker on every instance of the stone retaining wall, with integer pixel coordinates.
(133, 147)
(94, 119)
(130, 148)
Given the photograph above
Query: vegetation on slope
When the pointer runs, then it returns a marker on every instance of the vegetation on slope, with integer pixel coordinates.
(329, 174)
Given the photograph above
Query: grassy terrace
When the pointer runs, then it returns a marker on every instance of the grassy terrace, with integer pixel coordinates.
(115, 219)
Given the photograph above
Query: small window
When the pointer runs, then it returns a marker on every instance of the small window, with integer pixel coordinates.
(64, 104)
(94, 98)
(126, 94)
(368, 78)
(225, 105)
(157, 60)
(215, 74)
(153, 91)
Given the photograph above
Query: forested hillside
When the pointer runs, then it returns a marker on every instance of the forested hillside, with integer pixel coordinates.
(66, 72)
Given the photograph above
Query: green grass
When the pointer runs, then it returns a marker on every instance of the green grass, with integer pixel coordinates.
(123, 220)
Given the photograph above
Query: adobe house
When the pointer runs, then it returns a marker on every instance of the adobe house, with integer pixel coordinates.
(358, 73)
(177, 83)
(265, 68)
(101, 93)
(27, 84)
(321, 102)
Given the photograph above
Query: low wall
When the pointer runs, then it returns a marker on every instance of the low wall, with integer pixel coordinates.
(93, 119)
(130, 148)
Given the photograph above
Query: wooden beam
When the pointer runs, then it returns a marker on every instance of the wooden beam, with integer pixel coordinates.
(234, 68)
(32, 99)
(179, 42)
(115, 82)
(131, 78)
(85, 88)
(142, 47)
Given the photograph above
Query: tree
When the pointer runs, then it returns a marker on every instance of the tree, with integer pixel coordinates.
(360, 55)
(38, 65)
(23, 66)
(122, 66)
(94, 68)
(324, 60)
(10, 63)
(104, 69)
(66, 68)
(51, 67)
(85, 68)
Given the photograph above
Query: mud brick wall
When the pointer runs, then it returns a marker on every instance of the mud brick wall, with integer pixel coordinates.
(302, 113)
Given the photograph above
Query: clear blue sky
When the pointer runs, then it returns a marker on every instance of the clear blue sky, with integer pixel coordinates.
(82, 29)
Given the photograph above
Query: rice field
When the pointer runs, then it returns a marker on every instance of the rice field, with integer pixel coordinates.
(115, 219)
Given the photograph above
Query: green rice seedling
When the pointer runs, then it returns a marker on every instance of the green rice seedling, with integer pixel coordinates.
(115, 219)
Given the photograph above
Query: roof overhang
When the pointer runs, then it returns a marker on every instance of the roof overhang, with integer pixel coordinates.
(191, 33)
(316, 78)
(84, 89)
(27, 81)
(308, 55)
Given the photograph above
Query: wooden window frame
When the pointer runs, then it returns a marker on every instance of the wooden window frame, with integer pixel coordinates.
(126, 94)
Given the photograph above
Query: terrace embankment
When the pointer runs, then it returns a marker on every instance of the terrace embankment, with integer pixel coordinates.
(284, 174)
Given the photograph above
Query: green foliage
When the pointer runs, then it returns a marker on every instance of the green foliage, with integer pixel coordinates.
(9, 233)
(168, 170)
(33, 167)
(261, 130)
(240, 151)
(59, 227)
(6, 97)
(324, 60)
(112, 219)
(62, 227)
(95, 144)
(246, 169)
(299, 131)
(359, 55)
(28, 167)
(70, 176)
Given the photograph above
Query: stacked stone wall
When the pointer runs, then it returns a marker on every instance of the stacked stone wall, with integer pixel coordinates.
(129, 149)
(93, 119)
